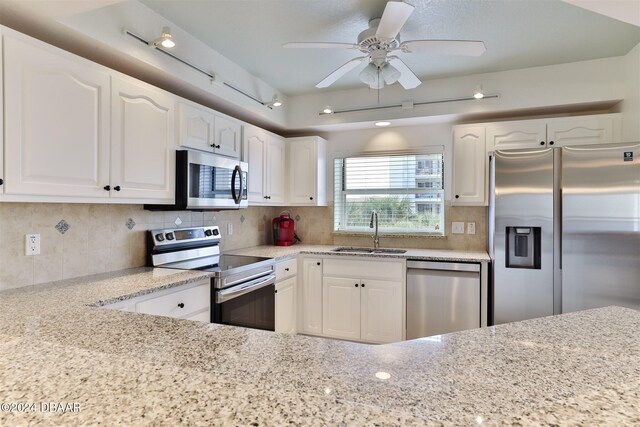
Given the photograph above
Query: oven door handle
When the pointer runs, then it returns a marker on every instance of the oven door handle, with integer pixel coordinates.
(229, 294)
(237, 171)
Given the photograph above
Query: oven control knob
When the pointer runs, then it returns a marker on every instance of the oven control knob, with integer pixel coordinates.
(207, 233)
(160, 237)
(170, 236)
(215, 232)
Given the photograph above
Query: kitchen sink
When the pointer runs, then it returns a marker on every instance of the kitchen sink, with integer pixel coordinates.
(369, 250)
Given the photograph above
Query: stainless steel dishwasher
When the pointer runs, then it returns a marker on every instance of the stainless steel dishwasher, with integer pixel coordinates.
(442, 297)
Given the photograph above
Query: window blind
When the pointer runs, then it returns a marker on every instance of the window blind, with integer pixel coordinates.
(407, 191)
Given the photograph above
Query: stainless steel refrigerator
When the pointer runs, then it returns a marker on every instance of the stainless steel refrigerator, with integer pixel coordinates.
(564, 230)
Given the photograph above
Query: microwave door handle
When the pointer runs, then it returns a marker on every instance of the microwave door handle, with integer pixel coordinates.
(236, 197)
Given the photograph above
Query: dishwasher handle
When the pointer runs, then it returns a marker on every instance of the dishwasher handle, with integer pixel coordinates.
(449, 266)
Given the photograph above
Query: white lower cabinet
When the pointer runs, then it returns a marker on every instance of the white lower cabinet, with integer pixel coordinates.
(190, 301)
(311, 299)
(341, 308)
(286, 306)
(353, 299)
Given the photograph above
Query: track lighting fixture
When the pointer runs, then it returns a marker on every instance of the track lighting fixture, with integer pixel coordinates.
(165, 39)
(275, 102)
(328, 109)
(478, 94)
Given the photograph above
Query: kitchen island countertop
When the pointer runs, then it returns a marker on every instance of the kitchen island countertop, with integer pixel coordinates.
(124, 368)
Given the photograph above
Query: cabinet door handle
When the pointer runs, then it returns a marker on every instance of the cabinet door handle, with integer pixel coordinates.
(356, 285)
(275, 292)
(457, 197)
(363, 285)
(541, 142)
(1, 181)
(310, 198)
(181, 305)
(551, 142)
(107, 188)
(117, 188)
(318, 263)
(286, 269)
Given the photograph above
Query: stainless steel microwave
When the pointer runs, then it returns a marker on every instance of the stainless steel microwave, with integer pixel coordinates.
(207, 181)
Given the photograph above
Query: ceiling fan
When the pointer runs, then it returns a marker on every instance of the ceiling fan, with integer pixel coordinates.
(380, 40)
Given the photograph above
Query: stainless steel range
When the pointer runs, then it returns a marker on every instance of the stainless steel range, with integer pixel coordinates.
(242, 288)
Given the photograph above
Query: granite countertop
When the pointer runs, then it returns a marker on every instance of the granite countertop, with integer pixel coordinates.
(284, 252)
(134, 369)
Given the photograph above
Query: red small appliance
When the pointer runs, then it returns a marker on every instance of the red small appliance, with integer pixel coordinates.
(283, 229)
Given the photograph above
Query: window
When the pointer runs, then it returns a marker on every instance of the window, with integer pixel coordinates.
(407, 191)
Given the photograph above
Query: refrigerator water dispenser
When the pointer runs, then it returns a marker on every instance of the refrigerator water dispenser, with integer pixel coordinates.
(523, 247)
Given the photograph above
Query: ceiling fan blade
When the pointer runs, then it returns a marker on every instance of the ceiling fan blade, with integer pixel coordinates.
(344, 69)
(444, 47)
(393, 18)
(312, 45)
(407, 79)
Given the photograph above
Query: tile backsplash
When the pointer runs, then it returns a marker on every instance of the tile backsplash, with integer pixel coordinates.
(82, 239)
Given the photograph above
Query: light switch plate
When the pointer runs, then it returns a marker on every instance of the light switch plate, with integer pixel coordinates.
(32, 244)
(457, 227)
(471, 228)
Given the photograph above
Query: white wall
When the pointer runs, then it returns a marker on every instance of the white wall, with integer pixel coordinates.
(630, 107)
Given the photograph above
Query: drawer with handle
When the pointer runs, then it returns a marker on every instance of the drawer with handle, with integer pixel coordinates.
(182, 303)
(286, 269)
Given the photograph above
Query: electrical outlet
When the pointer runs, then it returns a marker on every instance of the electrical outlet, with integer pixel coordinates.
(229, 229)
(32, 244)
(457, 227)
(471, 228)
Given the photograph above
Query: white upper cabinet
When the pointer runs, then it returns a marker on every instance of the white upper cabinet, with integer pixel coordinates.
(275, 170)
(196, 126)
(307, 169)
(555, 132)
(228, 137)
(470, 165)
(520, 134)
(203, 129)
(143, 142)
(56, 122)
(584, 130)
(1, 125)
(265, 154)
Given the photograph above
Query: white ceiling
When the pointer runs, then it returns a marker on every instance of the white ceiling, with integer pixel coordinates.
(517, 34)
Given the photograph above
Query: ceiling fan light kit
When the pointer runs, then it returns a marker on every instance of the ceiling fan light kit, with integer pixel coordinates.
(382, 38)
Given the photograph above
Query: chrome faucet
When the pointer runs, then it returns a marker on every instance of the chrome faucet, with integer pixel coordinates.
(376, 240)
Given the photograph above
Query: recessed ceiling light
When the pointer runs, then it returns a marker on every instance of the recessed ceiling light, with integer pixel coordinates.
(382, 124)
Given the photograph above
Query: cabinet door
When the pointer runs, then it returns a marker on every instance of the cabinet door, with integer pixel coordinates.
(470, 165)
(227, 137)
(381, 305)
(275, 172)
(56, 123)
(341, 308)
(286, 306)
(311, 287)
(1, 126)
(196, 127)
(522, 134)
(253, 152)
(143, 143)
(580, 131)
(303, 172)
